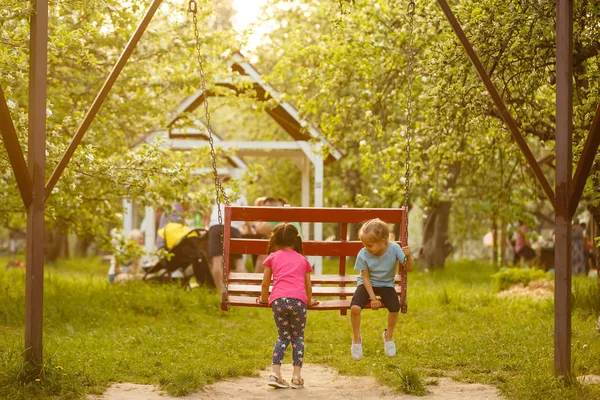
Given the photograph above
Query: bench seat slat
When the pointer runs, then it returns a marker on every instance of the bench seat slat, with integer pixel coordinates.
(256, 278)
(237, 289)
(323, 304)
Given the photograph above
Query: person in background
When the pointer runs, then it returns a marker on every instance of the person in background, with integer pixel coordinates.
(523, 250)
(215, 231)
(128, 269)
(260, 201)
(264, 229)
(175, 215)
(578, 259)
(589, 251)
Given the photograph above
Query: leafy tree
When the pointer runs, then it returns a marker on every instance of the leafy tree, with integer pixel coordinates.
(350, 71)
(86, 38)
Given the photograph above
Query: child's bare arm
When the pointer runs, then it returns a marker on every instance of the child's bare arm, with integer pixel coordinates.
(409, 258)
(308, 288)
(264, 288)
(375, 303)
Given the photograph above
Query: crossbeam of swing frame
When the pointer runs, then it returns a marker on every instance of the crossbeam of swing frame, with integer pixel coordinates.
(37, 97)
(15, 152)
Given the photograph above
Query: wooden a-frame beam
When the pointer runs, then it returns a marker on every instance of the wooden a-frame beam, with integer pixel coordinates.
(585, 162)
(97, 103)
(489, 85)
(15, 152)
(38, 66)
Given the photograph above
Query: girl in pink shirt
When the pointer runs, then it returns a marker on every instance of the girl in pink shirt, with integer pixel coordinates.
(292, 291)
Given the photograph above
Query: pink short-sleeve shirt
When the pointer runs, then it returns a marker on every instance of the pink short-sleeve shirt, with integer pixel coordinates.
(289, 269)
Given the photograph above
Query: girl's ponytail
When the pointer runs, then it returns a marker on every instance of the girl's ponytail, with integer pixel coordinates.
(298, 244)
(285, 235)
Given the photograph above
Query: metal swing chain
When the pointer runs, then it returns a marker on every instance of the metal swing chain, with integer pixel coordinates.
(410, 11)
(219, 191)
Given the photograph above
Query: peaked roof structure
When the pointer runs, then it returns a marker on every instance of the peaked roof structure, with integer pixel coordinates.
(232, 160)
(284, 113)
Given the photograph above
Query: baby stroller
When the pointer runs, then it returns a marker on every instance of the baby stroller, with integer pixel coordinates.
(187, 257)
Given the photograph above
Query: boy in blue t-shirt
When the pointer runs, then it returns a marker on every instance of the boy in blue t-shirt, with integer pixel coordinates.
(377, 264)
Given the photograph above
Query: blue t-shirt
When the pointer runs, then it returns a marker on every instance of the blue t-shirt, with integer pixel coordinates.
(382, 269)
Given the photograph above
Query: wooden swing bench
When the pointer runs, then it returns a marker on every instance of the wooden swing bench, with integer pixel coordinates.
(242, 289)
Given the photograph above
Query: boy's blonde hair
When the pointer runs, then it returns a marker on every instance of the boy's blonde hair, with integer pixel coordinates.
(374, 229)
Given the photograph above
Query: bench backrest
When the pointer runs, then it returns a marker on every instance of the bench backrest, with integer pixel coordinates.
(343, 216)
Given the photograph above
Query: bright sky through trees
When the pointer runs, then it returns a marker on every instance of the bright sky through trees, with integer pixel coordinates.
(248, 12)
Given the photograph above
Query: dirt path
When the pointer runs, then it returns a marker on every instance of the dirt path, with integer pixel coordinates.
(320, 383)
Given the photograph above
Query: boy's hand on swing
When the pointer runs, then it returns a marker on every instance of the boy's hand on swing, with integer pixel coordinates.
(409, 258)
(375, 304)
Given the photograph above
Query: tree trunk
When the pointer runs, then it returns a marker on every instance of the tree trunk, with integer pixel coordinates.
(57, 244)
(595, 211)
(502, 240)
(495, 241)
(436, 247)
(82, 246)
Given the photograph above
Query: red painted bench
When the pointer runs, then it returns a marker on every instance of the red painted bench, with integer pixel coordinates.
(242, 289)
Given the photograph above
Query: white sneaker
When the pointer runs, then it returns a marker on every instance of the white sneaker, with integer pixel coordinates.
(356, 350)
(389, 347)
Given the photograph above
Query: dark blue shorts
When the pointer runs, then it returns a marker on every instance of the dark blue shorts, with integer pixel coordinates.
(388, 296)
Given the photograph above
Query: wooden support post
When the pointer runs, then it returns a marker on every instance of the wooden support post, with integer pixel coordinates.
(318, 193)
(564, 156)
(127, 217)
(149, 229)
(305, 163)
(34, 258)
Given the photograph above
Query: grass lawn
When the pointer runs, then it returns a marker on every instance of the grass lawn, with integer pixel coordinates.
(96, 334)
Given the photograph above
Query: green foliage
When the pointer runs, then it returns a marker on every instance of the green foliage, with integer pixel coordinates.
(507, 277)
(112, 162)
(349, 73)
(344, 64)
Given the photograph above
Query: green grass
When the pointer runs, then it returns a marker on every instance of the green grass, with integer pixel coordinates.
(96, 334)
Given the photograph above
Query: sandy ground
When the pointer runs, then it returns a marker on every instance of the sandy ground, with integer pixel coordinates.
(320, 383)
(535, 290)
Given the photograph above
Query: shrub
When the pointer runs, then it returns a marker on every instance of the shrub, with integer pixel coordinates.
(586, 296)
(508, 277)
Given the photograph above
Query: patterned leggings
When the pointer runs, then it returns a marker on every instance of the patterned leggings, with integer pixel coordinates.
(290, 318)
